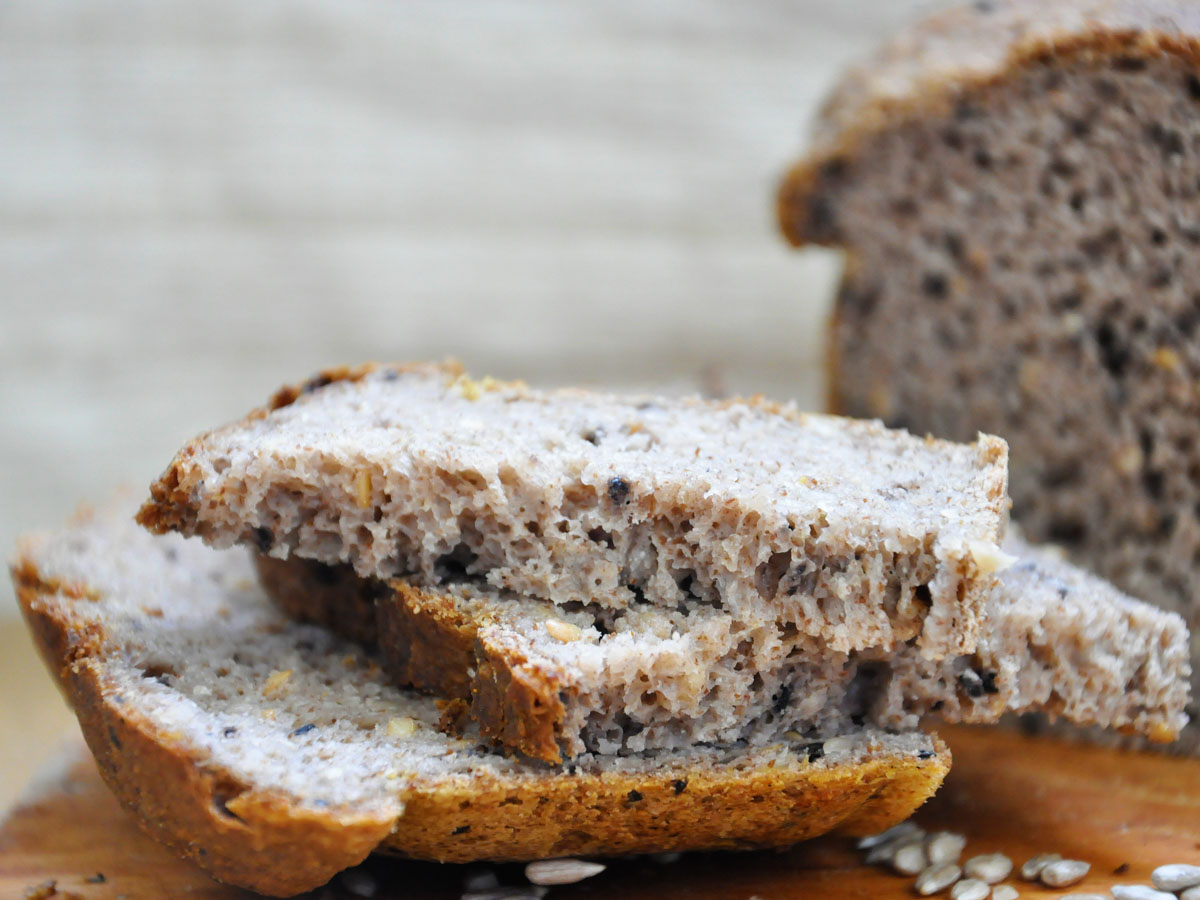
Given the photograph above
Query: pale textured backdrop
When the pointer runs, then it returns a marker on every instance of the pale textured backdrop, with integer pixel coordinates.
(201, 201)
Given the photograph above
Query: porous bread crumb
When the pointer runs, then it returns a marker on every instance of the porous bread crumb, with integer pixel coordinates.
(620, 501)
(647, 678)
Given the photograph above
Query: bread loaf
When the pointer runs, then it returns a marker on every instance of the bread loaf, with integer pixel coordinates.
(1016, 185)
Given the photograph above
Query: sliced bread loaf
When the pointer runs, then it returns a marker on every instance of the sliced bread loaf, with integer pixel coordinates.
(854, 534)
(1017, 187)
(551, 682)
(275, 754)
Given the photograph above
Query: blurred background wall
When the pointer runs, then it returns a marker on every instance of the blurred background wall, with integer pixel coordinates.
(199, 202)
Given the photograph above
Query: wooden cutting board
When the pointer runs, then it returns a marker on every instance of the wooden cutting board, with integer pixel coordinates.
(1124, 813)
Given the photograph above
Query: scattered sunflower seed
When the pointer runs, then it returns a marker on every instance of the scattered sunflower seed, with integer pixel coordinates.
(1004, 892)
(910, 859)
(1138, 892)
(990, 867)
(1063, 872)
(944, 847)
(885, 853)
(480, 880)
(903, 830)
(1192, 893)
(1085, 897)
(561, 871)
(1175, 877)
(358, 883)
(970, 889)
(937, 878)
(1033, 867)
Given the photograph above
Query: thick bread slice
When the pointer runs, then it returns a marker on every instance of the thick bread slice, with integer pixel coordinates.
(275, 754)
(857, 535)
(1015, 184)
(549, 682)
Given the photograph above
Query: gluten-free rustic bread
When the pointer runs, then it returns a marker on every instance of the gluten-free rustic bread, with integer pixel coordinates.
(855, 534)
(1017, 188)
(551, 682)
(274, 754)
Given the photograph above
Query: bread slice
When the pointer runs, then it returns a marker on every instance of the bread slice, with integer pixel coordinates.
(275, 754)
(1015, 186)
(857, 535)
(551, 682)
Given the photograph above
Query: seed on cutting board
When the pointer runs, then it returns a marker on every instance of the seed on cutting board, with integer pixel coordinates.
(1063, 872)
(1033, 866)
(885, 853)
(1005, 892)
(903, 830)
(990, 867)
(970, 889)
(936, 878)
(1192, 893)
(944, 847)
(910, 859)
(561, 871)
(1175, 877)
(1138, 892)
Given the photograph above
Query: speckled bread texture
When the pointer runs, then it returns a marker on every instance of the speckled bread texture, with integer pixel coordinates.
(857, 535)
(550, 682)
(1017, 188)
(274, 754)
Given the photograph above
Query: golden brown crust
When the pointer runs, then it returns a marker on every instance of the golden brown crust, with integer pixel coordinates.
(516, 701)
(676, 809)
(263, 840)
(426, 642)
(332, 596)
(201, 813)
(939, 62)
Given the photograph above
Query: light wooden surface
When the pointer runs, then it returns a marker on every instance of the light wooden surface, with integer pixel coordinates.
(1123, 813)
(199, 202)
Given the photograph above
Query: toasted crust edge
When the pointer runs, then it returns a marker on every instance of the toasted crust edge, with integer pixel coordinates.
(805, 208)
(202, 813)
(429, 645)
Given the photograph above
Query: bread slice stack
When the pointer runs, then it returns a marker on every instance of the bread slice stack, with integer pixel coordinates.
(672, 623)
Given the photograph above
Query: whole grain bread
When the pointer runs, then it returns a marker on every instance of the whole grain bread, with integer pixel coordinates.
(274, 754)
(856, 535)
(1017, 188)
(550, 682)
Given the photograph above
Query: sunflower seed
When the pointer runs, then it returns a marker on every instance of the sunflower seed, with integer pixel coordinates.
(1138, 892)
(358, 883)
(1004, 892)
(903, 830)
(1033, 867)
(970, 889)
(561, 871)
(910, 859)
(937, 878)
(944, 847)
(1063, 872)
(1175, 877)
(990, 867)
(1085, 897)
(480, 880)
(885, 853)
(1192, 893)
